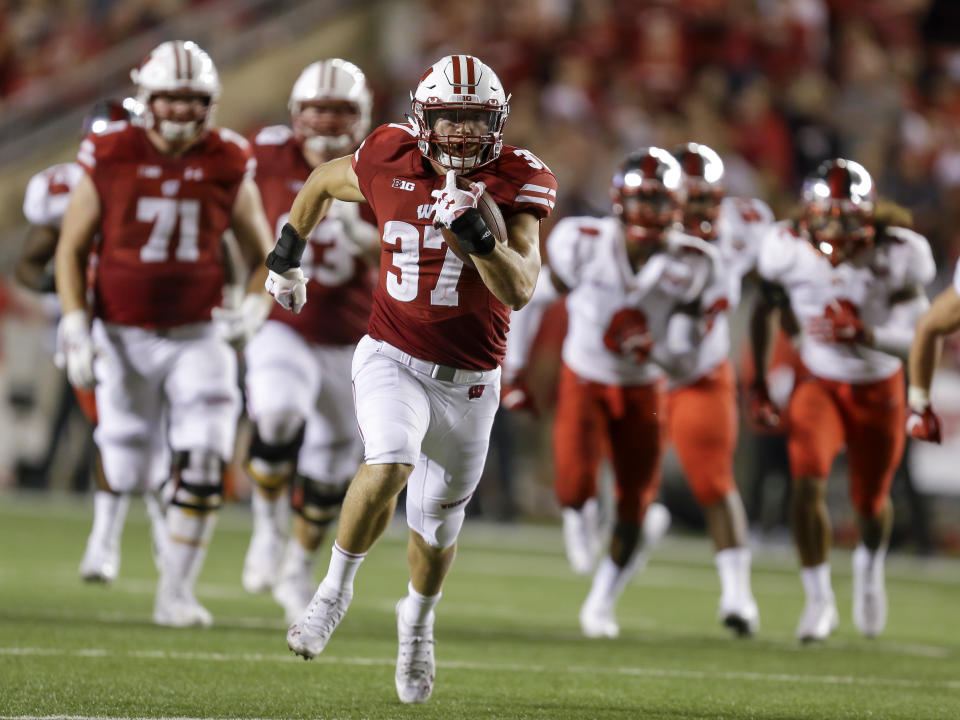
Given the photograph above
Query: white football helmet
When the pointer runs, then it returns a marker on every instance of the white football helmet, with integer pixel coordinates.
(467, 98)
(177, 66)
(332, 80)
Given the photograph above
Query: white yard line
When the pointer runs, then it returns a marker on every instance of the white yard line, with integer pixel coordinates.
(646, 672)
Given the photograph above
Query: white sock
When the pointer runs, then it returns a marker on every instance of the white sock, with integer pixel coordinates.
(187, 538)
(610, 579)
(816, 582)
(728, 568)
(109, 513)
(417, 609)
(265, 512)
(343, 568)
(870, 562)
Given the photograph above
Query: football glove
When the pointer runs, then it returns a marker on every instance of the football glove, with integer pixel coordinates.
(922, 423)
(238, 325)
(75, 348)
(288, 288)
(762, 415)
(451, 202)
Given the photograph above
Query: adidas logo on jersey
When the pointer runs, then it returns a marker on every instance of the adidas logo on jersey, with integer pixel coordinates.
(400, 184)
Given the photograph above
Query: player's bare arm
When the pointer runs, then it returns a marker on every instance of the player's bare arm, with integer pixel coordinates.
(510, 271)
(76, 238)
(31, 267)
(332, 180)
(253, 234)
(942, 318)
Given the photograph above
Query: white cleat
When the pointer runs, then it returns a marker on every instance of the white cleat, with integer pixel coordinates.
(180, 610)
(818, 620)
(262, 562)
(293, 593)
(100, 562)
(416, 666)
(581, 536)
(869, 595)
(597, 620)
(656, 522)
(309, 635)
(740, 615)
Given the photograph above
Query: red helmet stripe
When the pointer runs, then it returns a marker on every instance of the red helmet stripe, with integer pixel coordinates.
(189, 59)
(176, 59)
(837, 179)
(457, 72)
(471, 72)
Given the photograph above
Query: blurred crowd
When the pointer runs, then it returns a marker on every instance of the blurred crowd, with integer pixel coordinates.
(775, 86)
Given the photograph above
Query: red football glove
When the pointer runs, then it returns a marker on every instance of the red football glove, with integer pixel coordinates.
(924, 425)
(762, 416)
(516, 396)
(839, 324)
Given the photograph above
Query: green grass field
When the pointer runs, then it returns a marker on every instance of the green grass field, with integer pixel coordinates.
(508, 640)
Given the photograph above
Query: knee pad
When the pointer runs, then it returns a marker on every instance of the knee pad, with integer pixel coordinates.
(317, 503)
(272, 464)
(197, 481)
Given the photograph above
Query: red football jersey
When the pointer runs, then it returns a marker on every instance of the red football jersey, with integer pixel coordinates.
(339, 286)
(427, 302)
(161, 221)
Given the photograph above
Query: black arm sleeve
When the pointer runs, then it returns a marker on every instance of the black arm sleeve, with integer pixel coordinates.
(287, 252)
(472, 232)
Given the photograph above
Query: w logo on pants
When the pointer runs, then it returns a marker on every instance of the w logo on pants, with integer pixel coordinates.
(475, 391)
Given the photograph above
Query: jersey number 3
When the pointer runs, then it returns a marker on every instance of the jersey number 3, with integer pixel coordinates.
(403, 279)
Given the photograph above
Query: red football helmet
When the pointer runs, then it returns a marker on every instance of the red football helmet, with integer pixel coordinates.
(838, 204)
(459, 110)
(703, 186)
(646, 193)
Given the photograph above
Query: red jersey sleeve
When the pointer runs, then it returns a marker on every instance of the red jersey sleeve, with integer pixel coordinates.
(522, 182)
(97, 149)
(386, 149)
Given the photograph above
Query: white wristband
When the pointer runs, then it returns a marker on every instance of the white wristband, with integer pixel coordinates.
(918, 398)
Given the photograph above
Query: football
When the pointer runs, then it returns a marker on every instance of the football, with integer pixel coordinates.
(491, 216)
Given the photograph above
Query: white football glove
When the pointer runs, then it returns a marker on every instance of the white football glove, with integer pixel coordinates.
(452, 202)
(288, 288)
(75, 348)
(357, 231)
(238, 325)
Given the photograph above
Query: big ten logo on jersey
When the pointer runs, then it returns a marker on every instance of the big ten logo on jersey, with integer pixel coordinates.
(327, 258)
(401, 184)
(627, 335)
(403, 241)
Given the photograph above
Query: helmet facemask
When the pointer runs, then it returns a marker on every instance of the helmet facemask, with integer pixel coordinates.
(460, 137)
(701, 209)
(838, 210)
(327, 127)
(646, 211)
(174, 128)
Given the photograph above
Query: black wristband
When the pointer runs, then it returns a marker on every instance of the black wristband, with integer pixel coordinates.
(287, 252)
(473, 234)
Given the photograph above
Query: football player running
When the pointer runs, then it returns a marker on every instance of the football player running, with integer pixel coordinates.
(298, 365)
(426, 376)
(702, 408)
(641, 296)
(941, 319)
(44, 204)
(160, 195)
(854, 282)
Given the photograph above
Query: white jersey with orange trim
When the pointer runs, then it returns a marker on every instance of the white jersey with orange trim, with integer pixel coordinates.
(741, 226)
(48, 194)
(617, 314)
(867, 286)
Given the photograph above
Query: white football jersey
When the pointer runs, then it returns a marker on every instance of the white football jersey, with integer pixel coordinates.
(48, 194)
(867, 284)
(613, 310)
(741, 227)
